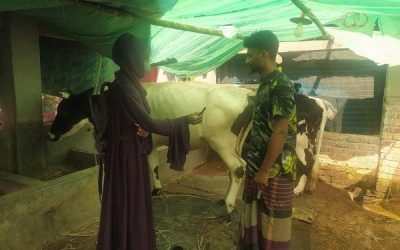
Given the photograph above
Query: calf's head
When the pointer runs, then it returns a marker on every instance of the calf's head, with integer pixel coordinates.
(72, 113)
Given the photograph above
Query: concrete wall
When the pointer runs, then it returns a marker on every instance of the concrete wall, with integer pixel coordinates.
(57, 152)
(7, 158)
(40, 212)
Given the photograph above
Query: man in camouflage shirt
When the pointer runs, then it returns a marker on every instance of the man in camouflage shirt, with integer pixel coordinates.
(269, 152)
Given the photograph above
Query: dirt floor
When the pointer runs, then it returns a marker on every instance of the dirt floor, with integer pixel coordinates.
(189, 214)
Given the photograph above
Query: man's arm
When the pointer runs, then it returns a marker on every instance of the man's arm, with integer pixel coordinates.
(274, 149)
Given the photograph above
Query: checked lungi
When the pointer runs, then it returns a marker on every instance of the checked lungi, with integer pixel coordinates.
(266, 220)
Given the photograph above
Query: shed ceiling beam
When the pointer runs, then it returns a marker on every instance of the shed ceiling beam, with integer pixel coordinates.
(153, 21)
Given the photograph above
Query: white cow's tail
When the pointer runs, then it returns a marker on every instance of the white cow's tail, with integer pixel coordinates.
(329, 109)
(241, 139)
(328, 112)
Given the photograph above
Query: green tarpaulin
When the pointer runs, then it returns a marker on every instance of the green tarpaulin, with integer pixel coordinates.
(198, 53)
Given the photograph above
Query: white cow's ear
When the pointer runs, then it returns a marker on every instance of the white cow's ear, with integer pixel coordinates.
(64, 95)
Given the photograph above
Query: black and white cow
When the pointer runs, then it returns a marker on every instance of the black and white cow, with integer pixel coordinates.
(225, 104)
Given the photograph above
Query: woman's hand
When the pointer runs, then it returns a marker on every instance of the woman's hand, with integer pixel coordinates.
(141, 132)
(195, 118)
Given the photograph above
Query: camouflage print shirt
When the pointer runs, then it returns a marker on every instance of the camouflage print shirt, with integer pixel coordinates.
(275, 98)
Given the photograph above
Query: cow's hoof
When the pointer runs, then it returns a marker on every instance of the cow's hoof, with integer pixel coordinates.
(297, 193)
(177, 248)
(221, 202)
(156, 192)
(227, 220)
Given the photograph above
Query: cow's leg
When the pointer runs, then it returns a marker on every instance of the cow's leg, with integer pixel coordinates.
(235, 179)
(302, 151)
(153, 171)
(301, 185)
(314, 176)
(225, 147)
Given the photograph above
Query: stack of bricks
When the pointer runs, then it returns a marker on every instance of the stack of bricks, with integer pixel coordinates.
(349, 160)
(389, 166)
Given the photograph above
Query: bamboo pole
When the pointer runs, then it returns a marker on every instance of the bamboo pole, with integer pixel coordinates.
(311, 15)
(157, 22)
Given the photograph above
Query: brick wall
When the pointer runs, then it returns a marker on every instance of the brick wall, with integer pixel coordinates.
(389, 166)
(348, 160)
(367, 162)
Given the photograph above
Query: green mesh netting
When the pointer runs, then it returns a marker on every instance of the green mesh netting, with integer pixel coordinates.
(198, 53)
(89, 68)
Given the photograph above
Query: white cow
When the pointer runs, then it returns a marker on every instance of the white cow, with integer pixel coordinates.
(223, 102)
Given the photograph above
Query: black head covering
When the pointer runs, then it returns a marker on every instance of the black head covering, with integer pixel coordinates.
(129, 54)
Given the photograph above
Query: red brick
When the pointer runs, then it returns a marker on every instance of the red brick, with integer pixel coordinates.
(340, 156)
(361, 138)
(326, 149)
(387, 135)
(362, 152)
(353, 145)
(388, 165)
(326, 179)
(392, 122)
(396, 144)
(370, 147)
(330, 135)
(328, 143)
(392, 157)
(386, 143)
